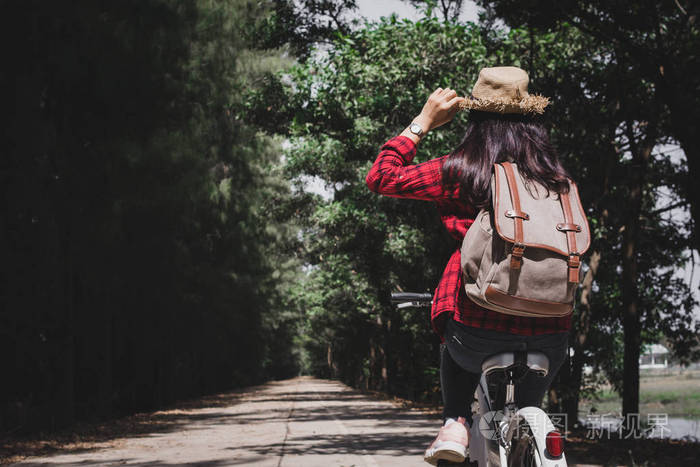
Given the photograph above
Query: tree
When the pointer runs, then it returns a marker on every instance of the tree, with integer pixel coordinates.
(304, 24)
(360, 247)
(135, 222)
(657, 42)
(349, 100)
(608, 126)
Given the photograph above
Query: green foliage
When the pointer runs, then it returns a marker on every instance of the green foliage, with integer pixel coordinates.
(302, 24)
(614, 94)
(345, 102)
(142, 257)
(154, 250)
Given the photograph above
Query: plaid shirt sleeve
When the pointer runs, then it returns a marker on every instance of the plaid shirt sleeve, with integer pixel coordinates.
(393, 175)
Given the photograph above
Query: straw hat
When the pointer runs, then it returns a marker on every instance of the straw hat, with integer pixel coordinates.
(503, 89)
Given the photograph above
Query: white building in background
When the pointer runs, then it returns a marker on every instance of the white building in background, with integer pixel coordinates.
(653, 356)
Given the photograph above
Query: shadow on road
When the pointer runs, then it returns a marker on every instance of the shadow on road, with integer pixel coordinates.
(262, 404)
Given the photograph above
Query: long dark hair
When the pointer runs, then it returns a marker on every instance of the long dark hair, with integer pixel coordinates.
(491, 138)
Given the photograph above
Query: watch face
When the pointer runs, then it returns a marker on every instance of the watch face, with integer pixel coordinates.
(416, 129)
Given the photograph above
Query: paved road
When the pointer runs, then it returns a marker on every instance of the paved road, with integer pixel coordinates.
(299, 422)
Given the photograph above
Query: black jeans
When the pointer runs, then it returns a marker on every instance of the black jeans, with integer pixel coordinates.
(466, 348)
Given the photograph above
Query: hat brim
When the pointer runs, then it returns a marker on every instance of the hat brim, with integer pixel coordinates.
(532, 103)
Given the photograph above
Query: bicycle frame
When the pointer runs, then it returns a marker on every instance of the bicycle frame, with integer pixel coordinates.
(493, 431)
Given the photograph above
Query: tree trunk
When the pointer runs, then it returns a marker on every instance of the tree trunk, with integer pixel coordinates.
(585, 311)
(684, 118)
(630, 307)
(63, 403)
(382, 379)
(329, 361)
(386, 352)
(641, 154)
(579, 339)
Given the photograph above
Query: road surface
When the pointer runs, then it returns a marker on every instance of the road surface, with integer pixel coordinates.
(299, 422)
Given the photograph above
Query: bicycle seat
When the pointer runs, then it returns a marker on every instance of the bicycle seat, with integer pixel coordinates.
(535, 361)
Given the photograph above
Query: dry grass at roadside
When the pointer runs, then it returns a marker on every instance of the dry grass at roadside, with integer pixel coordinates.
(630, 452)
(675, 395)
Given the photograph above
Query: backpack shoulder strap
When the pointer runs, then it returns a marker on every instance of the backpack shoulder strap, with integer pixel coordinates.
(517, 215)
(559, 222)
(570, 228)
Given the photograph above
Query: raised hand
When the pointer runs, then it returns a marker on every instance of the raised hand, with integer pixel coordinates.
(441, 107)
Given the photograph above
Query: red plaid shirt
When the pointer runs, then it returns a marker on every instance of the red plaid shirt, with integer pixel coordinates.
(392, 175)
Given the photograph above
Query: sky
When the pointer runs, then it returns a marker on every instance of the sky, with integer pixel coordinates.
(375, 9)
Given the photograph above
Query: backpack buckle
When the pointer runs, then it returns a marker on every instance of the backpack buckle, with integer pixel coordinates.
(516, 253)
(574, 264)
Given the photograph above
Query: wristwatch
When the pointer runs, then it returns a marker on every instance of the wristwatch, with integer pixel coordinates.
(415, 129)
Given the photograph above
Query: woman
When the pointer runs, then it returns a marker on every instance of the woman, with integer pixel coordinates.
(502, 126)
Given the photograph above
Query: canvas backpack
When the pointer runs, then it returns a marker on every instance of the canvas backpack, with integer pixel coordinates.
(523, 255)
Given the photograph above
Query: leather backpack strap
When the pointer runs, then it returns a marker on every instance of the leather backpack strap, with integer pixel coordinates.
(516, 257)
(570, 228)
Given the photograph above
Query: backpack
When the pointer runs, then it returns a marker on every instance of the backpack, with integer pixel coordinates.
(523, 256)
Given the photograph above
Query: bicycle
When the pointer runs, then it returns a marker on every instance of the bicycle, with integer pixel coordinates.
(501, 433)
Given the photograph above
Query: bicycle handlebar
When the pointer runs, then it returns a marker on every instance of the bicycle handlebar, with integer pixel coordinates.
(401, 297)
